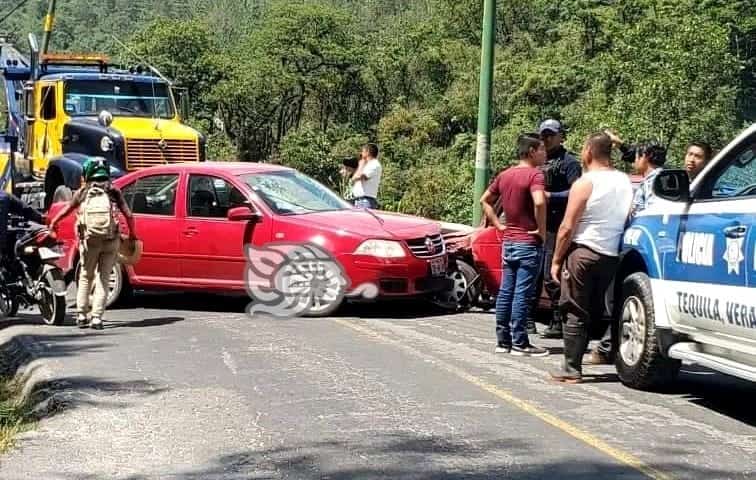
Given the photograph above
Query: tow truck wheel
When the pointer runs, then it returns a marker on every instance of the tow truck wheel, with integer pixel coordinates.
(640, 362)
(62, 194)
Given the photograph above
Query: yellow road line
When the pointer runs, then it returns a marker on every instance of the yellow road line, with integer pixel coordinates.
(583, 436)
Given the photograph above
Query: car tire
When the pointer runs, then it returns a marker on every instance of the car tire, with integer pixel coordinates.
(640, 362)
(464, 292)
(119, 289)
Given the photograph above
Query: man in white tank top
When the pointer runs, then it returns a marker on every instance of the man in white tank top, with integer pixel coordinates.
(587, 249)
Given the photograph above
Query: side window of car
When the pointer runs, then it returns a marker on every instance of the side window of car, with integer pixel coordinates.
(152, 195)
(737, 176)
(212, 197)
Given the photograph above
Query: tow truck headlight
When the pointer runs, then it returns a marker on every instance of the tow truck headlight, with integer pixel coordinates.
(106, 144)
(381, 249)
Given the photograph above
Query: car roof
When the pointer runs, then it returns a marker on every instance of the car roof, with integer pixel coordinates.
(229, 168)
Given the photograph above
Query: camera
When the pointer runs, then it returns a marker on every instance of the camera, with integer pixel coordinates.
(350, 162)
(628, 153)
(656, 153)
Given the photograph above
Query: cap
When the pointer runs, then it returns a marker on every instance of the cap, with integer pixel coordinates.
(550, 124)
(96, 168)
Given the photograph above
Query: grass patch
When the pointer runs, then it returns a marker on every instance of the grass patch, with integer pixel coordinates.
(15, 413)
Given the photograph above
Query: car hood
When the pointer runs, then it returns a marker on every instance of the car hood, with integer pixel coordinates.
(369, 224)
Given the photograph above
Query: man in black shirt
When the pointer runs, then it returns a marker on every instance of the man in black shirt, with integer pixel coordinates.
(561, 170)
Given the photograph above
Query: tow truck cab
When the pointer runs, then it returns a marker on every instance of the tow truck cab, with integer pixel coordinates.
(685, 288)
(73, 106)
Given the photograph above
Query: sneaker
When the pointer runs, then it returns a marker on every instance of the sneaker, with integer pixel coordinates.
(81, 321)
(96, 323)
(529, 351)
(503, 348)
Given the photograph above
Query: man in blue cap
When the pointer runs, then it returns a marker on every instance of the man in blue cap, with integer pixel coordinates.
(561, 170)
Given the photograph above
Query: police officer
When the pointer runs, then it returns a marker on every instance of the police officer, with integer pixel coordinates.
(561, 170)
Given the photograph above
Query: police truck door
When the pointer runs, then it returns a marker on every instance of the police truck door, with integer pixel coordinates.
(707, 277)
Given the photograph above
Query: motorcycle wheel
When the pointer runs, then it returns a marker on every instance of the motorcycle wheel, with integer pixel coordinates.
(8, 304)
(51, 306)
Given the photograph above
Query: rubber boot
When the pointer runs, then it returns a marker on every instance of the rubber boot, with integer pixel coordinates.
(554, 329)
(575, 342)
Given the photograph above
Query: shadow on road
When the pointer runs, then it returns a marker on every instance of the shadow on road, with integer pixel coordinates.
(411, 456)
(147, 322)
(728, 396)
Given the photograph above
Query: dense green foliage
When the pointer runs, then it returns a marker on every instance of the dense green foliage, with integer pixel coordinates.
(306, 82)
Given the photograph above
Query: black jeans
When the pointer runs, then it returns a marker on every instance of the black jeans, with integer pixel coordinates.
(544, 280)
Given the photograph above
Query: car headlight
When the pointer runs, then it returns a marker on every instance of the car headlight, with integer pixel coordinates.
(381, 248)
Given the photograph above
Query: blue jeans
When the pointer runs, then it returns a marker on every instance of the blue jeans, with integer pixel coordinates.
(366, 202)
(522, 264)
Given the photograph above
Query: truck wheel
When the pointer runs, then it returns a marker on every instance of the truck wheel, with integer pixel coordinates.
(62, 194)
(640, 362)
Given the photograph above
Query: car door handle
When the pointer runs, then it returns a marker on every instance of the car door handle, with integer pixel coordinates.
(190, 232)
(737, 231)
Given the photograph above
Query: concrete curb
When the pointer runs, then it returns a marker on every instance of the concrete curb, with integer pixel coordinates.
(21, 360)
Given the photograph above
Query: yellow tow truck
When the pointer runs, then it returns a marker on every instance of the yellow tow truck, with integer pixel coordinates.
(63, 107)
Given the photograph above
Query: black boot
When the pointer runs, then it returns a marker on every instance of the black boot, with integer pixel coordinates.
(532, 327)
(575, 341)
(554, 330)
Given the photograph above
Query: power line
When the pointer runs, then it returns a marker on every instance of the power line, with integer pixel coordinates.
(13, 10)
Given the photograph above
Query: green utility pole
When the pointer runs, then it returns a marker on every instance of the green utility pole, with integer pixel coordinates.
(49, 23)
(483, 153)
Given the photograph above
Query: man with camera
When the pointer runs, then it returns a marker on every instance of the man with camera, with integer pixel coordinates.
(648, 159)
(365, 177)
(561, 170)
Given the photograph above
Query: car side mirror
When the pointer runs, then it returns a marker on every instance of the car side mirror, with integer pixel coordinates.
(242, 214)
(672, 185)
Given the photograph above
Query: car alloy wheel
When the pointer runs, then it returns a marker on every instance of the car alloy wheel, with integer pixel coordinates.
(633, 331)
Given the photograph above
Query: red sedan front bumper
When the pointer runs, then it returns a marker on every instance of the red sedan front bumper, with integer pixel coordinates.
(403, 277)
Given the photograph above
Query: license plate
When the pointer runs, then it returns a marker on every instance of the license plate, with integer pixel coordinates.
(46, 253)
(438, 267)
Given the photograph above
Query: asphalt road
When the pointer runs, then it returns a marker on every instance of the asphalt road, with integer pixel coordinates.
(189, 387)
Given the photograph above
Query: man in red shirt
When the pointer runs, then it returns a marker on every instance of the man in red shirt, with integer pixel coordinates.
(521, 191)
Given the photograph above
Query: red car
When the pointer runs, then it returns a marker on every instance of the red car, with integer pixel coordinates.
(195, 220)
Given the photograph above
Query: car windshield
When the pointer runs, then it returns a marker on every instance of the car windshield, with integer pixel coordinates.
(293, 193)
(121, 98)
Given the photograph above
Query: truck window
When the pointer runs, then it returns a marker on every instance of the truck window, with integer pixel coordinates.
(737, 176)
(48, 103)
(119, 97)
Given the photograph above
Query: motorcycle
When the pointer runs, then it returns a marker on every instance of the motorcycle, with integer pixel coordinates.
(29, 275)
